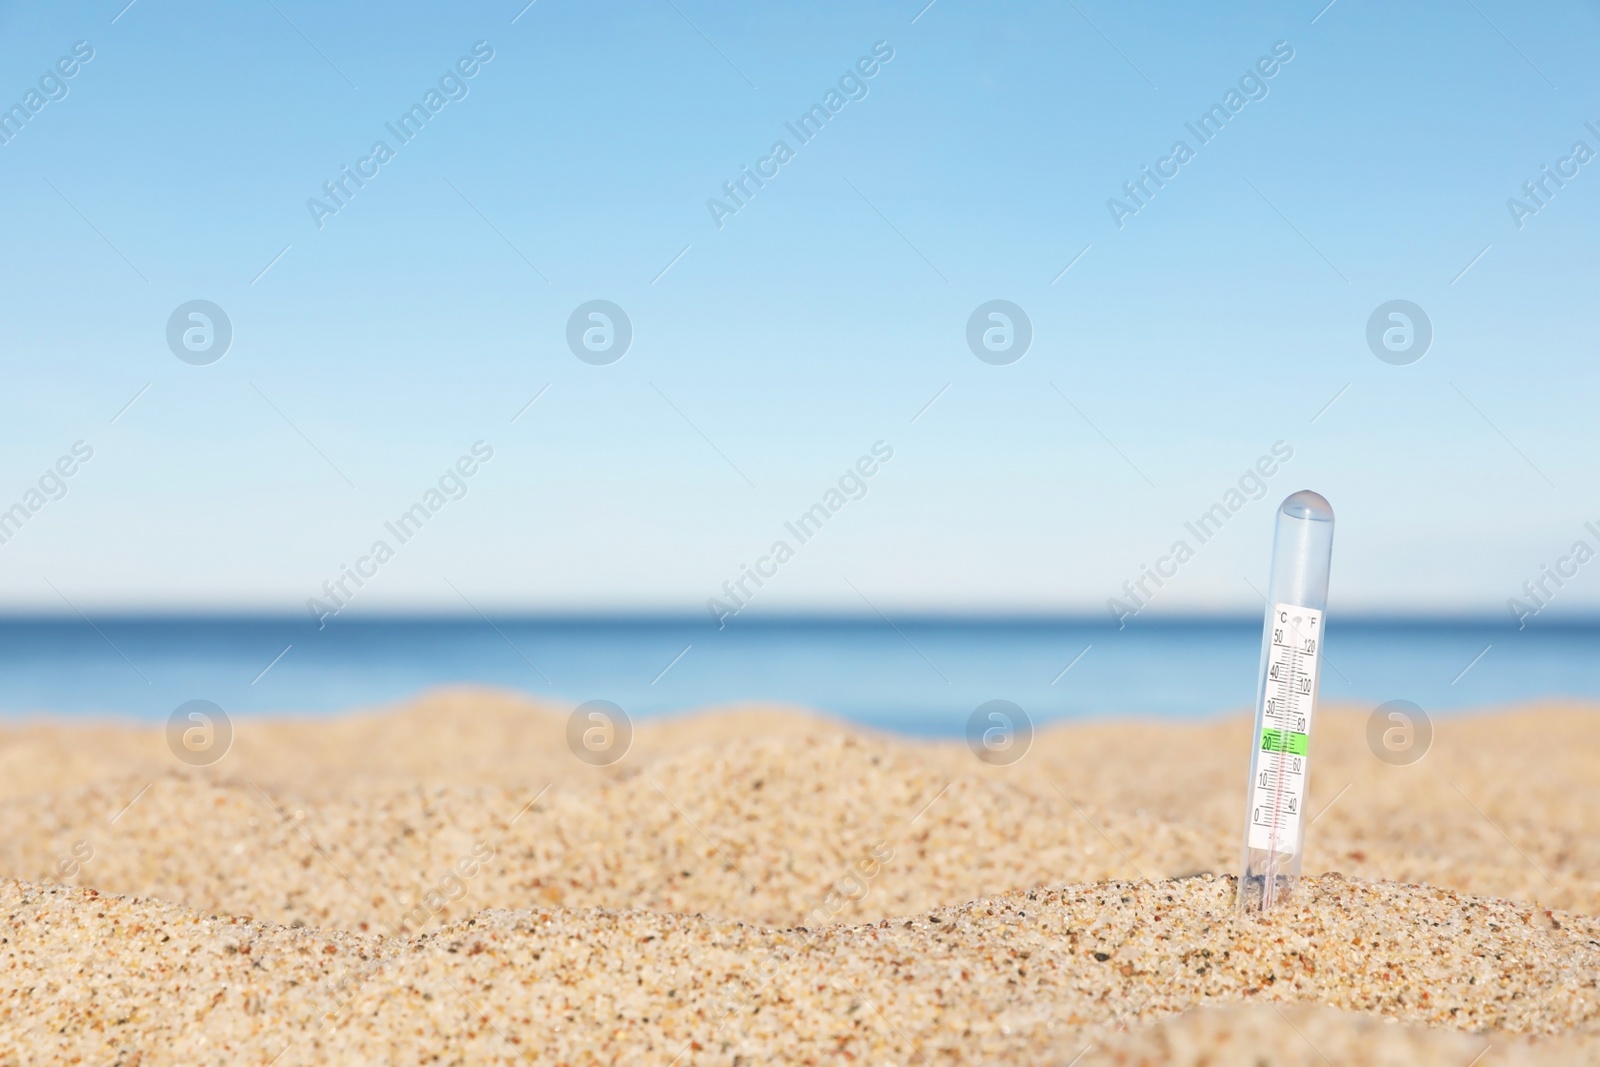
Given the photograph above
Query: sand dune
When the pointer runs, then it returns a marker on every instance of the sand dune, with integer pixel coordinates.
(512, 902)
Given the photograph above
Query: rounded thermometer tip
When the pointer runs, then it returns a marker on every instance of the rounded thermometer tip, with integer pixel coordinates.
(1307, 505)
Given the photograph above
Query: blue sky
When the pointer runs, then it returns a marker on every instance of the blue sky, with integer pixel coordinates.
(770, 353)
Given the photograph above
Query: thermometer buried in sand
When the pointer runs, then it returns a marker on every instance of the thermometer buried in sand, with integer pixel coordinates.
(1286, 697)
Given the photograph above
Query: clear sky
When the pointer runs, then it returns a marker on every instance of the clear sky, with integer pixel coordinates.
(377, 337)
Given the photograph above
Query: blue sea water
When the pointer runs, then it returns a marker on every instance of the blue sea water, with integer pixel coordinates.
(915, 675)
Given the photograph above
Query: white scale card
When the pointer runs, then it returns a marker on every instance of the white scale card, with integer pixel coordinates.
(1278, 794)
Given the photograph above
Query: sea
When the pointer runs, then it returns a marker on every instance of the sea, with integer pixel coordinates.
(915, 675)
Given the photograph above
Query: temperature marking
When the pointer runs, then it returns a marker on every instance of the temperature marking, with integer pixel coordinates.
(1278, 793)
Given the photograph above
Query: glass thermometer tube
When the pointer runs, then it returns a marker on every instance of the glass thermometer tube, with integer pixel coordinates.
(1286, 700)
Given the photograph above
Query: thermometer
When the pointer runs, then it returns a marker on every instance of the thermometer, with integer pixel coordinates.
(1286, 701)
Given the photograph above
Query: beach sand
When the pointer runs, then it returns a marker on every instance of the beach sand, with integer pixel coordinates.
(446, 882)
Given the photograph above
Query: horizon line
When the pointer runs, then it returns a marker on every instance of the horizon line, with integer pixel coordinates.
(1570, 618)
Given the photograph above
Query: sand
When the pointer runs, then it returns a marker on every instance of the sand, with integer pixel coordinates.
(446, 883)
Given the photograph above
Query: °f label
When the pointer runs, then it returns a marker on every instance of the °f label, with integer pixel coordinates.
(1278, 794)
